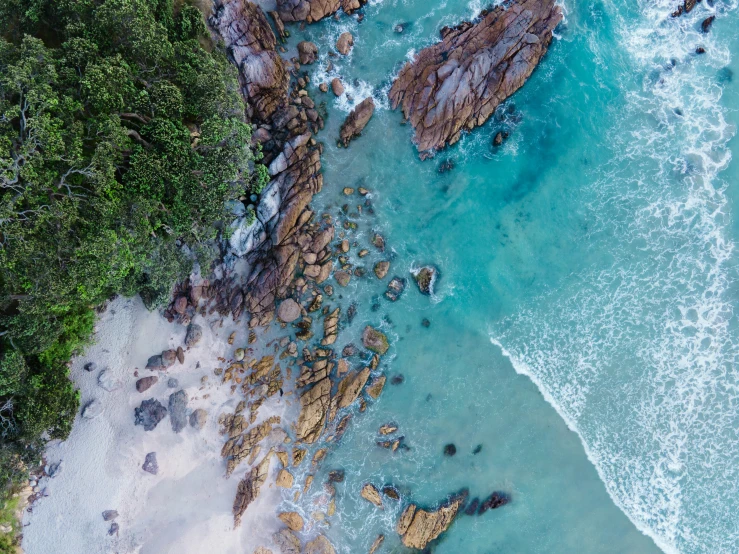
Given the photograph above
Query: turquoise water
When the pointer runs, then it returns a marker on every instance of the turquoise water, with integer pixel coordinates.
(583, 329)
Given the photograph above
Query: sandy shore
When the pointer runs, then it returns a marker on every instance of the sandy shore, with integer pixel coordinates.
(186, 507)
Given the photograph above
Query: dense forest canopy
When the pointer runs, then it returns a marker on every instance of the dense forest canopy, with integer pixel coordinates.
(122, 137)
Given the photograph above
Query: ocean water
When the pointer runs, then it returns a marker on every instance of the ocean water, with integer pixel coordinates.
(583, 332)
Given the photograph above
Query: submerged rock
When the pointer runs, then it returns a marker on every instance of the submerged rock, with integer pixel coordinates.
(450, 450)
(495, 500)
(356, 121)
(149, 414)
(456, 84)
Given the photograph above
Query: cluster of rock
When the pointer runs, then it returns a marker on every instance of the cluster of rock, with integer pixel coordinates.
(314, 10)
(456, 84)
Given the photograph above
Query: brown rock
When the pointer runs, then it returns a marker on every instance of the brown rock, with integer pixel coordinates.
(249, 487)
(319, 545)
(331, 327)
(351, 386)
(307, 52)
(287, 542)
(377, 544)
(145, 383)
(388, 429)
(323, 87)
(180, 355)
(357, 120)
(375, 388)
(375, 340)
(313, 409)
(418, 527)
(293, 520)
(458, 83)
(289, 310)
(344, 43)
(337, 87)
(342, 278)
(284, 479)
(306, 10)
(371, 494)
(381, 269)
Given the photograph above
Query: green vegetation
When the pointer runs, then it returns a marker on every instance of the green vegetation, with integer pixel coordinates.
(122, 135)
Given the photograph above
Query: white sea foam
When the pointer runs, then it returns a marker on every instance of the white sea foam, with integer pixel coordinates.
(640, 357)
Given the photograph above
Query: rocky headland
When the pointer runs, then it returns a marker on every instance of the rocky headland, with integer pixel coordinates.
(457, 83)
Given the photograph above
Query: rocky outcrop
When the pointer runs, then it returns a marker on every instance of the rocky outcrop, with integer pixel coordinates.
(344, 43)
(307, 52)
(418, 527)
(293, 520)
(456, 84)
(249, 487)
(287, 541)
(356, 121)
(371, 494)
(314, 10)
(425, 278)
(375, 340)
(313, 408)
(284, 124)
(319, 545)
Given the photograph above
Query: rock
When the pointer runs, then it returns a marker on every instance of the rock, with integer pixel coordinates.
(337, 87)
(371, 494)
(395, 289)
(379, 242)
(472, 507)
(155, 363)
(446, 166)
(323, 87)
(331, 328)
(344, 43)
(169, 357)
(499, 137)
(172, 383)
(707, 23)
(336, 476)
(357, 120)
(700, 50)
(114, 527)
(397, 379)
(450, 450)
(287, 542)
(150, 463)
(342, 278)
(249, 487)
(344, 246)
(180, 355)
(193, 335)
(417, 527)
(351, 386)
(456, 84)
(178, 410)
(391, 492)
(284, 479)
(239, 354)
(426, 278)
(495, 500)
(375, 340)
(319, 545)
(289, 310)
(306, 10)
(198, 418)
(145, 383)
(109, 515)
(377, 544)
(375, 387)
(425, 323)
(293, 520)
(108, 381)
(149, 414)
(307, 52)
(90, 366)
(313, 409)
(92, 409)
(381, 269)
(388, 429)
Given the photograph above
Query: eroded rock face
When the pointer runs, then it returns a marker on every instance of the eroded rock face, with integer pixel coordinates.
(251, 45)
(456, 84)
(357, 120)
(418, 527)
(249, 487)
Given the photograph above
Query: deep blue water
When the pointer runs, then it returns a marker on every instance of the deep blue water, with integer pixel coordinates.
(583, 330)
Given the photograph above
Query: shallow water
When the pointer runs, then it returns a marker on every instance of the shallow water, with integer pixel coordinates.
(583, 329)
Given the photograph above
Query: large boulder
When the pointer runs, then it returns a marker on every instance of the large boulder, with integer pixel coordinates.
(417, 527)
(457, 83)
(307, 52)
(375, 340)
(289, 310)
(425, 278)
(344, 43)
(319, 545)
(357, 120)
(287, 541)
(313, 408)
(149, 414)
(193, 335)
(178, 410)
